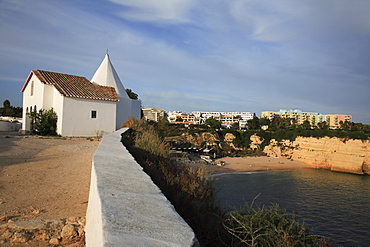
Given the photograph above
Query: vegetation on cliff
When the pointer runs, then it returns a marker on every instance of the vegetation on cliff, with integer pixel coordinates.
(278, 129)
(192, 194)
(190, 191)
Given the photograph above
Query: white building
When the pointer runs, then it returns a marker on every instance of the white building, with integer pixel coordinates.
(153, 114)
(300, 117)
(84, 108)
(198, 117)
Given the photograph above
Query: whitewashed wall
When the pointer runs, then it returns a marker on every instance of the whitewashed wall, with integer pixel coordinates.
(125, 207)
(36, 99)
(8, 126)
(77, 121)
(126, 108)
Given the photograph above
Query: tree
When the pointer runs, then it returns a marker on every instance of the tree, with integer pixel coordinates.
(346, 125)
(213, 123)
(235, 125)
(306, 125)
(253, 123)
(179, 119)
(7, 109)
(264, 121)
(131, 94)
(6, 104)
(44, 122)
(282, 123)
(323, 125)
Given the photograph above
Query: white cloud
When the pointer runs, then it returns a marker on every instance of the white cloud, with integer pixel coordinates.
(161, 11)
(237, 55)
(278, 21)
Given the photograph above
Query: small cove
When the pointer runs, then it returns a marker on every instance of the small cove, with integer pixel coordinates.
(332, 204)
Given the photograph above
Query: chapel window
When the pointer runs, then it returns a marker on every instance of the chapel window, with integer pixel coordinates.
(32, 86)
(93, 114)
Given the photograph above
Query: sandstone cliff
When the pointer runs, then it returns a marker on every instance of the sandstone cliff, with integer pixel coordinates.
(352, 156)
(195, 139)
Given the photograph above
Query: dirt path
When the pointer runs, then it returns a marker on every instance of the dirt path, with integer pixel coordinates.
(44, 178)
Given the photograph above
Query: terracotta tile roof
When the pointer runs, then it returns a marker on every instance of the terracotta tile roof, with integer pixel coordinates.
(76, 86)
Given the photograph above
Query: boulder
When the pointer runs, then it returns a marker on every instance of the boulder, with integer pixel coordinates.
(69, 232)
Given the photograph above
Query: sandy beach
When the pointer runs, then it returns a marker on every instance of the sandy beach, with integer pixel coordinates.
(250, 164)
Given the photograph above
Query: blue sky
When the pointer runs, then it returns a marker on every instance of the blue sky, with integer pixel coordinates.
(191, 55)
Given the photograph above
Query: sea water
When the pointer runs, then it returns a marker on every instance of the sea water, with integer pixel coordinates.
(332, 204)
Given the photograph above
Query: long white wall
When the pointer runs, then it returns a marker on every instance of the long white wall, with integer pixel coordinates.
(125, 207)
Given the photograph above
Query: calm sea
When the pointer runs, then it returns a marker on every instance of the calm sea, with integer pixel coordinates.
(335, 205)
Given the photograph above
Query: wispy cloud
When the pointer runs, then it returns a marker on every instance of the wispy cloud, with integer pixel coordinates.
(156, 12)
(200, 55)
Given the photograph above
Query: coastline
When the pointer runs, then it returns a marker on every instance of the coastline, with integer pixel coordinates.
(250, 164)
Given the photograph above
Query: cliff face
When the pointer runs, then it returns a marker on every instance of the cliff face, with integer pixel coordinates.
(352, 156)
(195, 139)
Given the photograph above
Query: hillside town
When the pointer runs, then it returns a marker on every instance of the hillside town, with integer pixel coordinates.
(228, 119)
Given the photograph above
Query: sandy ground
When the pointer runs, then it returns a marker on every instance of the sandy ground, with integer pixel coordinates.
(44, 178)
(250, 164)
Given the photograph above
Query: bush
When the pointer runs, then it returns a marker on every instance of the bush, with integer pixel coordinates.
(44, 122)
(269, 226)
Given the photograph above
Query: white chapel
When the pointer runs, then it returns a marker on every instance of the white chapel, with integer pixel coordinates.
(84, 108)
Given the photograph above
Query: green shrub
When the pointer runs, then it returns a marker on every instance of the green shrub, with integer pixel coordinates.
(44, 122)
(269, 226)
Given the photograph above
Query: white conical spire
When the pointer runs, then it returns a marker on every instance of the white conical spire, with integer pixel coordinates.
(106, 75)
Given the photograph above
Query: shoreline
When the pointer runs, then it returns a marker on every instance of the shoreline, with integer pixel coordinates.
(249, 165)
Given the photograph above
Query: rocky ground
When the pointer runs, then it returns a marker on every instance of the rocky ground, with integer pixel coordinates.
(44, 187)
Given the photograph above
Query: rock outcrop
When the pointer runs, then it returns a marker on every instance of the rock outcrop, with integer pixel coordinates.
(195, 139)
(343, 155)
(256, 142)
(39, 232)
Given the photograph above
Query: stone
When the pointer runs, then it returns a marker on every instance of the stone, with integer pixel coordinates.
(43, 235)
(255, 142)
(82, 221)
(4, 218)
(72, 220)
(81, 230)
(6, 235)
(69, 232)
(20, 237)
(54, 241)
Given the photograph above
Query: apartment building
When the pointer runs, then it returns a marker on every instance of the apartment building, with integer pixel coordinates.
(334, 120)
(198, 117)
(154, 114)
(314, 118)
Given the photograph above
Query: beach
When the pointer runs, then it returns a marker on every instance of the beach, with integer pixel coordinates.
(249, 164)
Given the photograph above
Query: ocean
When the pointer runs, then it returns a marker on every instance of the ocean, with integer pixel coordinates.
(332, 204)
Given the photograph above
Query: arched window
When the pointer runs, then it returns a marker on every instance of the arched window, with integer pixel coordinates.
(32, 86)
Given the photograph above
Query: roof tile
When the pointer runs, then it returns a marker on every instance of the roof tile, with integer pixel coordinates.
(76, 86)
